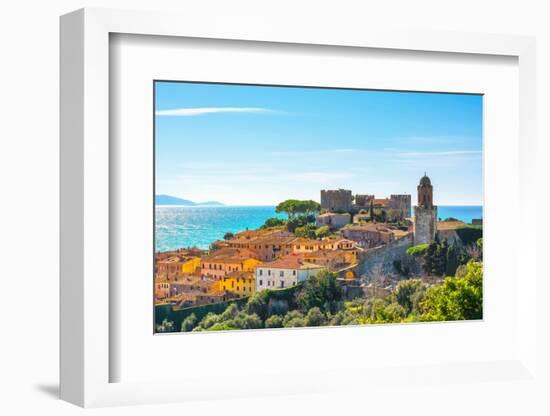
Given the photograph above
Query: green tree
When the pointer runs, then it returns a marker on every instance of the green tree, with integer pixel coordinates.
(435, 258)
(458, 298)
(306, 231)
(289, 207)
(452, 260)
(229, 313)
(321, 290)
(228, 235)
(322, 232)
(189, 323)
(292, 207)
(409, 294)
(274, 321)
(273, 222)
(257, 304)
(315, 317)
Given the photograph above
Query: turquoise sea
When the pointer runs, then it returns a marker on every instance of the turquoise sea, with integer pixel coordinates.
(177, 226)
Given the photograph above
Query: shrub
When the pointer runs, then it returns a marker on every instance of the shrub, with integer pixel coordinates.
(418, 251)
(315, 317)
(209, 320)
(189, 323)
(294, 319)
(222, 326)
(246, 321)
(344, 317)
(322, 232)
(274, 321)
(166, 326)
(228, 235)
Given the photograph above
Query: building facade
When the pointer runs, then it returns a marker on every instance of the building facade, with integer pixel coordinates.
(240, 283)
(285, 272)
(369, 235)
(333, 220)
(425, 213)
(223, 261)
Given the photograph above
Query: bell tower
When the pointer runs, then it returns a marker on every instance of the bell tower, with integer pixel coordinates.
(425, 213)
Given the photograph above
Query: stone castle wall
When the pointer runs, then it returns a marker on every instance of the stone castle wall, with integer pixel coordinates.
(401, 203)
(339, 200)
(382, 258)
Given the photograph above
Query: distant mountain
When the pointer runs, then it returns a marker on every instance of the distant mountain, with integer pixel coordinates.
(172, 200)
(210, 204)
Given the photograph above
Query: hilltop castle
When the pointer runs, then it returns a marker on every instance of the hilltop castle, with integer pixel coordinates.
(342, 201)
(425, 213)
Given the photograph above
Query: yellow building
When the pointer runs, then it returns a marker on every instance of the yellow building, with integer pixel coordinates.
(241, 283)
(191, 265)
(226, 260)
(177, 265)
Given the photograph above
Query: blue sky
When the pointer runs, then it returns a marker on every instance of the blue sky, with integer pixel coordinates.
(258, 145)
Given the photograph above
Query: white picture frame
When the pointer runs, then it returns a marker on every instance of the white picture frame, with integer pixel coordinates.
(85, 200)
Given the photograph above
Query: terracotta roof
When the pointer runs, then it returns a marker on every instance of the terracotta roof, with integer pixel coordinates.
(239, 275)
(379, 227)
(332, 214)
(229, 255)
(292, 262)
(450, 225)
(324, 253)
(381, 201)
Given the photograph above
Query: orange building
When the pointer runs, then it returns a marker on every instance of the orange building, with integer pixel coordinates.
(268, 247)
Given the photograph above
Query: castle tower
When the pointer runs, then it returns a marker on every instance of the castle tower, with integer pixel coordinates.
(425, 213)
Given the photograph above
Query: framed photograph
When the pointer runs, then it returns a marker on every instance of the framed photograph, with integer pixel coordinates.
(272, 237)
(289, 207)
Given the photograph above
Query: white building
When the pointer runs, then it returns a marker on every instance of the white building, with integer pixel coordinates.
(284, 272)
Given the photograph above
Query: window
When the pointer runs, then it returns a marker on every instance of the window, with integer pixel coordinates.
(261, 282)
(282, 274)
(293, 272)
(269, 272)
(261, 272)
(282, 283)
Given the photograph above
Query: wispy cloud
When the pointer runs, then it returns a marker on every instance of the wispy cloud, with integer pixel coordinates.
(312, 152)
(199, 111)
(414, 155)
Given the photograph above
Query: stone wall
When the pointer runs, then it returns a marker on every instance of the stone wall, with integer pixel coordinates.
(382, 258)
(425, 223)
(401, 203)
(339, 200)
